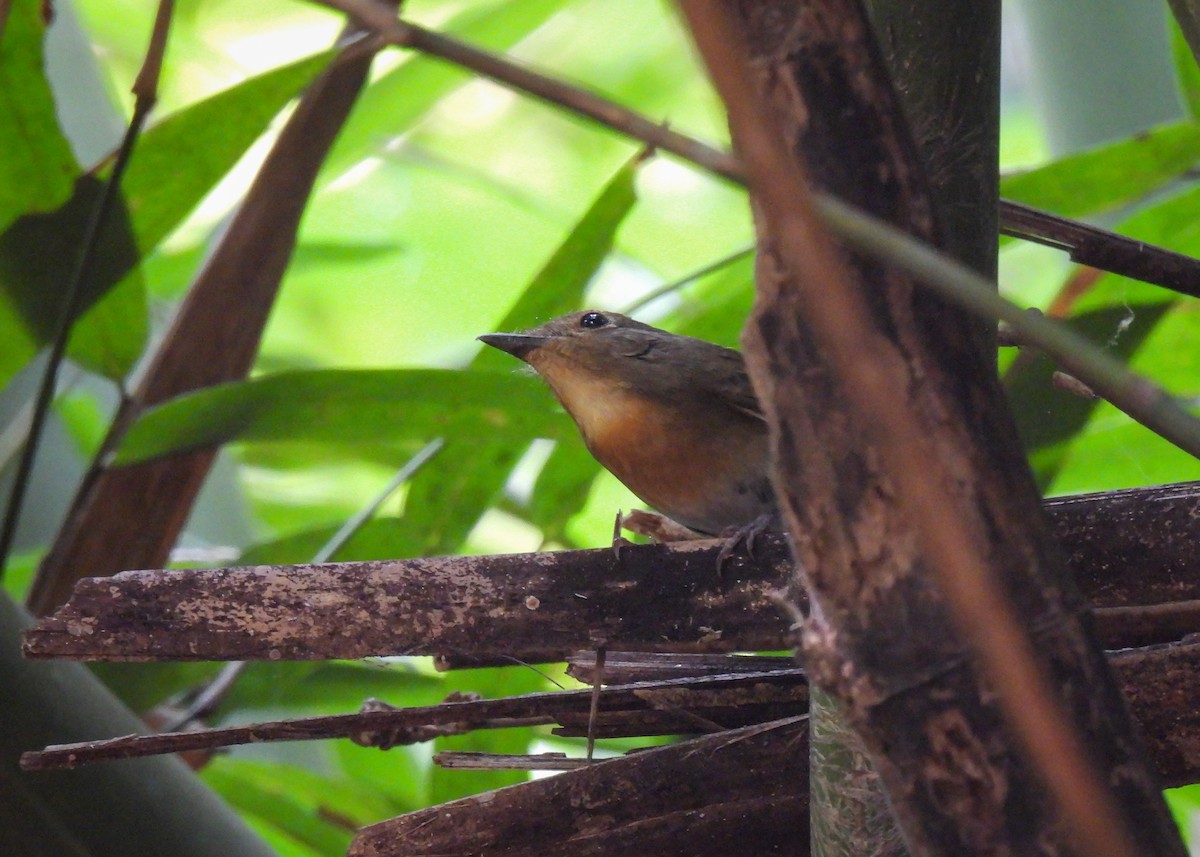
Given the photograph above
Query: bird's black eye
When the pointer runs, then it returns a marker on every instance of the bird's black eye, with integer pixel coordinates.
(592, 320)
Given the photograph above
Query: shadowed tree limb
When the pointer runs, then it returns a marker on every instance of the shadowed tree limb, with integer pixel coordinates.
(922, 455)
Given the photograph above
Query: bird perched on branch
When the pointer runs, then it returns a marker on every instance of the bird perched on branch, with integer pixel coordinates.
(673, 417)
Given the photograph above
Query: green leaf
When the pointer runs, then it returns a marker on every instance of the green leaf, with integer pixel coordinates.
(372, 541)
(282, 796)
(559, 286)
(401, 775)
(111, 336)
(395, 102)
(143, 686)
(1050, 420)
(347, 406)
(1109, 176)
(37, 168)
(340, 798)
(562, 486)
(331, 687)
(209, 137)
(174, 166)
(1187, 73)
(448, 497)
(1113, 451)
(1122, 314)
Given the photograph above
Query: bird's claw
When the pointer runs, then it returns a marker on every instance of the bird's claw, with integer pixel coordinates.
(618, 540)
(736, 537)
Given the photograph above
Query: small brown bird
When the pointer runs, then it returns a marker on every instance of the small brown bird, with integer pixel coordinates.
(673, 417)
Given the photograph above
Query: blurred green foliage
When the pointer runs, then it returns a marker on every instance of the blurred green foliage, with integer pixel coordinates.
(451, 207)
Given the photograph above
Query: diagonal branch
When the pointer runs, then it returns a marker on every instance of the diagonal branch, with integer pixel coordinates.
(758, 692)
(130, 517)
(875, 356)
(145, 88)
(541, 607)
(1087, 245)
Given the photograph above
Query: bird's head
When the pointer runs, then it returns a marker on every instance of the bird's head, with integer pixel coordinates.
(597, 363)
(599, 345)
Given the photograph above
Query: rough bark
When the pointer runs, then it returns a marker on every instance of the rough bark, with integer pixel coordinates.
(1131, 551)
(740, 792)
(538, 606)
(880, 637)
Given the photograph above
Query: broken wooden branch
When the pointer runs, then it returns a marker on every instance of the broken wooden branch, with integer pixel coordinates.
(732, 700)
(1124, 545)
(531, 606)
(466, 761)
(739, 792)
(1161, 683)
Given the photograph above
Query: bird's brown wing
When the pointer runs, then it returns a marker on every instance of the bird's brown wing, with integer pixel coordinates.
(731, 385)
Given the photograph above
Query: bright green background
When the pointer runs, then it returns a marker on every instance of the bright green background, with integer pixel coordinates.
(451, 207)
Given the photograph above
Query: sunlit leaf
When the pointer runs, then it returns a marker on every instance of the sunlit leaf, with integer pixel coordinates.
(1109, 176)
(449, 496)
(393, 103)
(37, 168)
(259, 789)
(345, 407)
(39, 252)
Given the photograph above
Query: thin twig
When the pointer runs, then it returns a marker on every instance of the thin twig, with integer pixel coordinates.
(597, 684)
(509, 761)
(869, 369)
(338, 540)
(1140, 398)
(549, 706)
(1099, 248)
(145, 90)
(690, 277)
(1086, 244)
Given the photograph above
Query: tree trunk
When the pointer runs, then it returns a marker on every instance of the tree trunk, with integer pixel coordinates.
(880, 637)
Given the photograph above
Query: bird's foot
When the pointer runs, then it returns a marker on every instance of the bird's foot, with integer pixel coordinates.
(744, 536)
(658, 528)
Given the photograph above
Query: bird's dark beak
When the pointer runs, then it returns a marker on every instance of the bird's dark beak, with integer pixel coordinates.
(517, 344)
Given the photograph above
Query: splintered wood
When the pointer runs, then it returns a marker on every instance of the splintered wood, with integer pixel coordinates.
(740, 792)
(1130, 551)
(538, 606)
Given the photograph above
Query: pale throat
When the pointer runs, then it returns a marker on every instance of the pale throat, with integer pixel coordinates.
(599, 406)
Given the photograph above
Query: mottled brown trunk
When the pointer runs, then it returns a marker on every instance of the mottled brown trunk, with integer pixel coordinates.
(880, 638)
